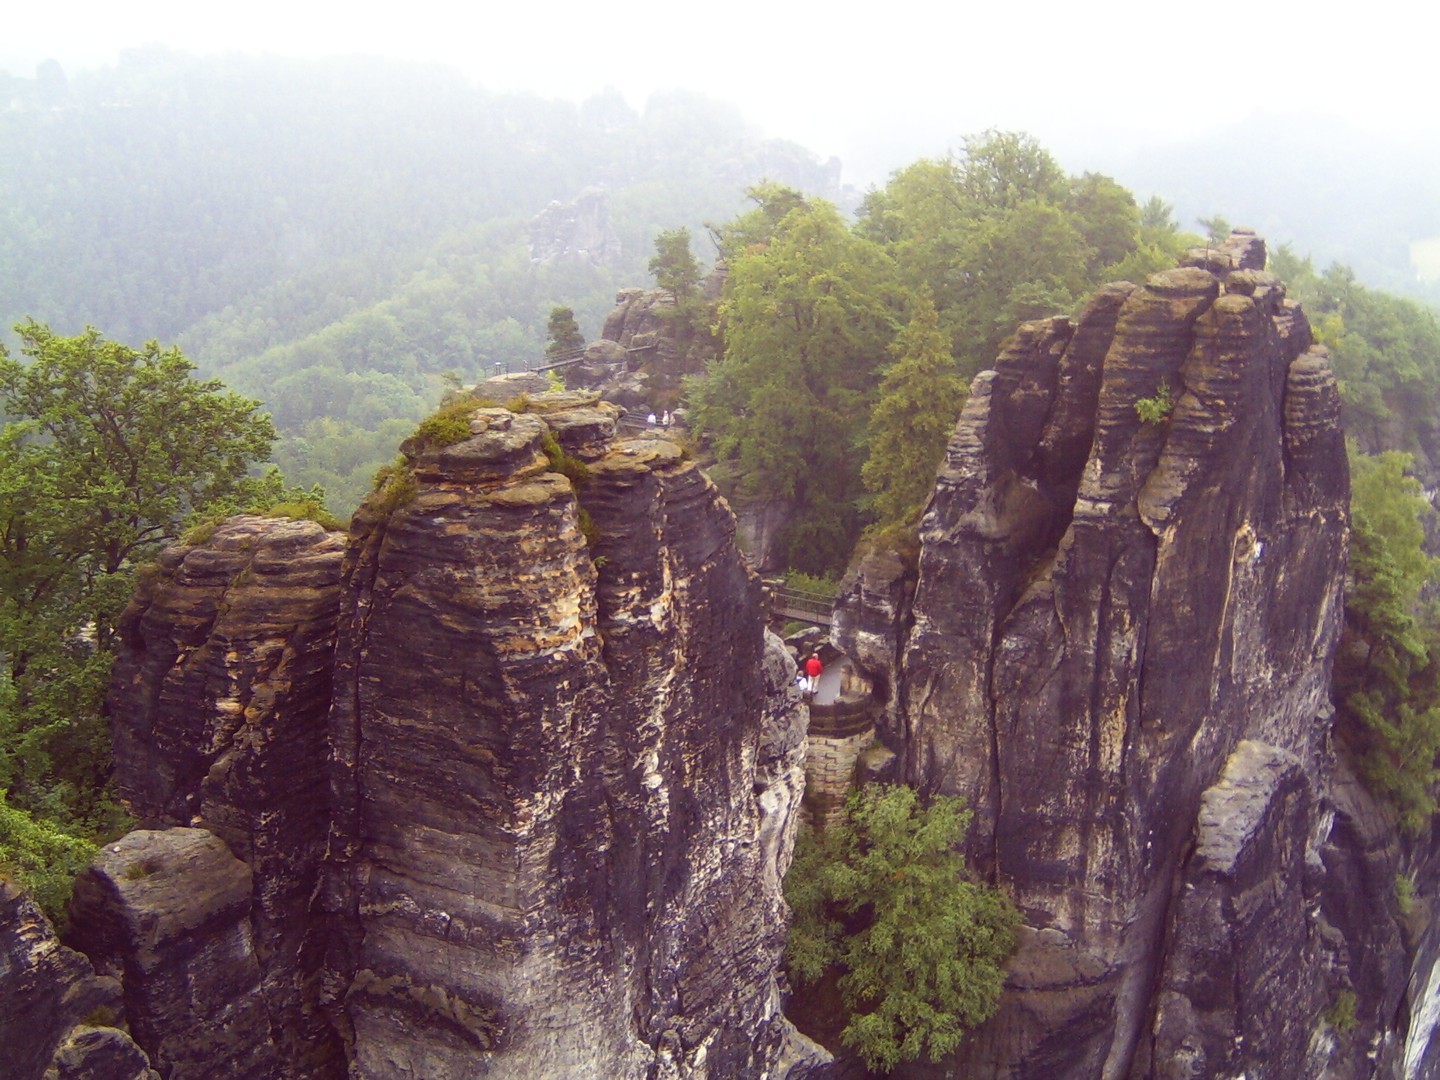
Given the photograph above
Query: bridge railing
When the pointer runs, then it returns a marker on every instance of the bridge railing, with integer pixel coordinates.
(803, 604)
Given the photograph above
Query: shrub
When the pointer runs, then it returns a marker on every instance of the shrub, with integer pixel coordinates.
(1341, 1014)
(1152, 410)
(567, 465)
(41, 858)
(883, 898)
(394, 486)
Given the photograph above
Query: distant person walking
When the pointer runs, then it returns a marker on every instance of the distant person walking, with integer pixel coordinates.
(650, 420)
(813, 668)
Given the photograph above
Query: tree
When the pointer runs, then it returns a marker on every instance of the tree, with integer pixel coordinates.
(806, 314)
(883, 896)
(107, 452)
(920, 399)
(1217, 229)
(1002, 169)
(673, 266)
(564, 334)
(1386, 677)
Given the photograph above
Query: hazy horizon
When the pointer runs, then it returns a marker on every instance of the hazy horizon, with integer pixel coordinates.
(1088, 82)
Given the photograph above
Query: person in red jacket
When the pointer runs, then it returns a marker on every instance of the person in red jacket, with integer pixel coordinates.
(813, 668)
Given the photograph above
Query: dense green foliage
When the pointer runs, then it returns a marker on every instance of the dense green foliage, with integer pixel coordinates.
(106, 453)
(883, 897)
(563, 334)
(999, 234)
(42, 858)
(674, 266)
(1387, 678)
(1385, 350)
(808, 310)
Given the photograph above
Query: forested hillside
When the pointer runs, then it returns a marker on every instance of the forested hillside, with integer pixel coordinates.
(333, 237)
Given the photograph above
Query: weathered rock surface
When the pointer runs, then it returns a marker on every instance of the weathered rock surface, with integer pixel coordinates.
(575, 232)
(219, 703)
(560, 817)
(1120, 655)
(55, 1011)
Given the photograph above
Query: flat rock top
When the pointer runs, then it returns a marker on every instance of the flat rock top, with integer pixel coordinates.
(172, 880)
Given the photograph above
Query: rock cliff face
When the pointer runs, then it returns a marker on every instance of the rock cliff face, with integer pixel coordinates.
(495, 798)
(575, 232)
(219, 703)
(57, 1015)
(1118, 650)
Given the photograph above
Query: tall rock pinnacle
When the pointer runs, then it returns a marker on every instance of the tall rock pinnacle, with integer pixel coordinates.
(1123, 625)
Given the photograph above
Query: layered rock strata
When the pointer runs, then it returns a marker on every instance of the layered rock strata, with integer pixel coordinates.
(559, 822)
(219, 702)
(519, 764)
(168, 914)
(1120, 656)
(58, 1016)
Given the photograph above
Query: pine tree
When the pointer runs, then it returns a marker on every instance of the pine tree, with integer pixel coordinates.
(920, 399)
(564, 334)
(884, 897)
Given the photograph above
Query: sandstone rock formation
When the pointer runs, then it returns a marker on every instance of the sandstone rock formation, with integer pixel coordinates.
(57, 1015)
(575, 232)
(505, 785)
(558, 827)
(219, 704)
(1118, 650)
(168, 914)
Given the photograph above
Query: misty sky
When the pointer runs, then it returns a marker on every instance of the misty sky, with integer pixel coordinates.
(876, 84)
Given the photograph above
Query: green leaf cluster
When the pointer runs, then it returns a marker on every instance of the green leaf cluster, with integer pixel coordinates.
(884, 897)
(1154, 410)
(42, 858)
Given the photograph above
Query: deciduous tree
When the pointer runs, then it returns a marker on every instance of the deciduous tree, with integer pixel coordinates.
(107, 451)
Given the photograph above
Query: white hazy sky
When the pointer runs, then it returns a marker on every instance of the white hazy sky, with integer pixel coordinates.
(877, 84)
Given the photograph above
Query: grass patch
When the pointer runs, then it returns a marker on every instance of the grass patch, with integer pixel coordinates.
(567, 465)
(394, 486)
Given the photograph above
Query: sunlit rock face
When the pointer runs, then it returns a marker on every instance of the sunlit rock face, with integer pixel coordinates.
(565, 775)
(1120, 656)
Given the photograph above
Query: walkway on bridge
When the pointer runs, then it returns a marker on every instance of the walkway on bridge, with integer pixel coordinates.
(802, 606)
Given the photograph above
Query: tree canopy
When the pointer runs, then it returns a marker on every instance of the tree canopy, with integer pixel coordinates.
(807, 313)
(564, 334)
(920, 398)
(107, 451)
(1387, 674)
